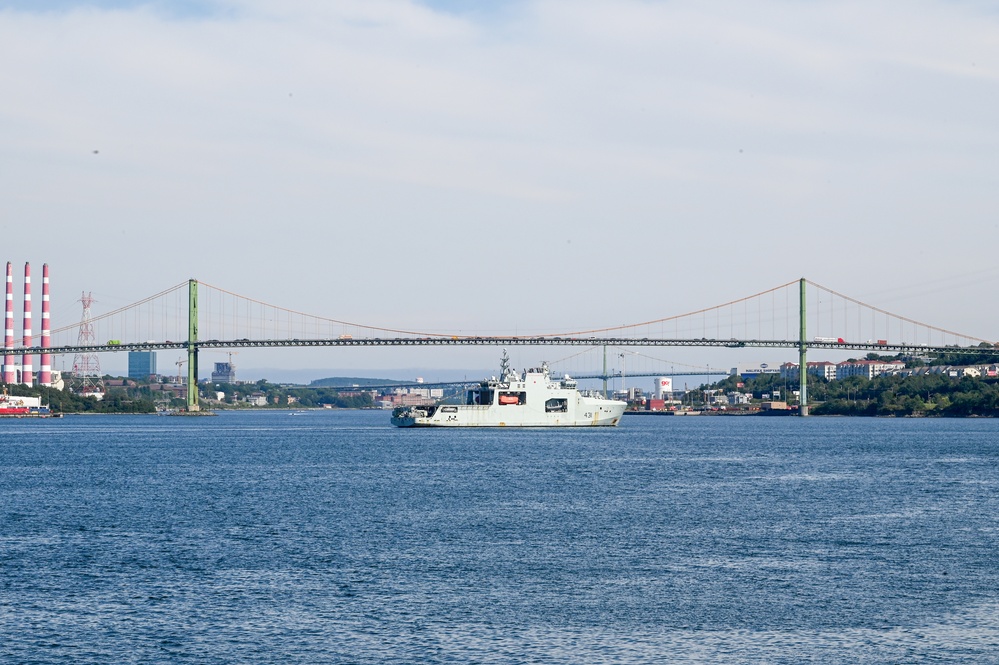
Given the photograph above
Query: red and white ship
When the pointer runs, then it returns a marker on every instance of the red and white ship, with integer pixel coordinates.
(12, 405)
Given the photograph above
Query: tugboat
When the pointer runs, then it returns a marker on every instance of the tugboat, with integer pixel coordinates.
(529, 399)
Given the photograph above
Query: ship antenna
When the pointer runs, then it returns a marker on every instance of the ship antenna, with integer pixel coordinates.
(504, 364)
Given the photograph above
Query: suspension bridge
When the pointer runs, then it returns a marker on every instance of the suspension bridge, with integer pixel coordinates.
(194, 316)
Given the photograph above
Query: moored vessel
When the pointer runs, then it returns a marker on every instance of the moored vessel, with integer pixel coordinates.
(12, 406)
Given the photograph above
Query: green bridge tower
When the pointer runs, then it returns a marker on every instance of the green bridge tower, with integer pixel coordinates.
(802, 352)
(192, 349)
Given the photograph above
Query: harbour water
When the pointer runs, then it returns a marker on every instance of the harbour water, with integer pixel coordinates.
(333, 537)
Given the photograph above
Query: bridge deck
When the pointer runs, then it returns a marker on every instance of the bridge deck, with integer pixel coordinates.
(491, 341)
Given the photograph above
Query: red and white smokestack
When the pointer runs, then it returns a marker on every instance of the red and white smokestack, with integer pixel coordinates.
(9, 373)
(26, 370)
(45, 376)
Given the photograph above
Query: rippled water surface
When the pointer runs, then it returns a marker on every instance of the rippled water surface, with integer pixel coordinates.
(331, 537)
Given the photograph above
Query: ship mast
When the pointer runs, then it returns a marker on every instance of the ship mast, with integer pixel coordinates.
(504, 365)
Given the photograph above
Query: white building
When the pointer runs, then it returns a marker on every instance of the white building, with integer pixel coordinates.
(737, 398)
(426, 393)
(822, 368)
(867, 368)
(752, 370)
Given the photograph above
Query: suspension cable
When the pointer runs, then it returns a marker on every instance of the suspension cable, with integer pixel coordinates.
(897, 316)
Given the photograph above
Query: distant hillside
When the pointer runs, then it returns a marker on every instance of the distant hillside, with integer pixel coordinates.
(351, 381)
(305, 377)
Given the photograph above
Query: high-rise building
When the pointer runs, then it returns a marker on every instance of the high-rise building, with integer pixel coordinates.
(141, 364)
(224, 373)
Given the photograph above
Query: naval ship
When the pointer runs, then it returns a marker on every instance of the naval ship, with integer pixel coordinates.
(528, 399)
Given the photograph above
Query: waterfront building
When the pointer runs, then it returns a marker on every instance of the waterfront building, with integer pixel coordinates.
(752, 370)
(738, 399)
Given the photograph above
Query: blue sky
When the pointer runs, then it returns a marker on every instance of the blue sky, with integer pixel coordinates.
(662, 156)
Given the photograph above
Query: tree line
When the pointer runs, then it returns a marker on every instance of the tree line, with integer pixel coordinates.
(921, 395)
(136, 397)
(306, 396)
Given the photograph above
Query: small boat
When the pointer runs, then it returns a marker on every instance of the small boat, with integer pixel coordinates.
(528, 399)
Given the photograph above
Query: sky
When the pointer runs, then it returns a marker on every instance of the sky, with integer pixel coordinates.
(531, 164)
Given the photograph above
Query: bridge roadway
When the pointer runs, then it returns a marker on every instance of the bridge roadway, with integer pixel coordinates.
(700, 342)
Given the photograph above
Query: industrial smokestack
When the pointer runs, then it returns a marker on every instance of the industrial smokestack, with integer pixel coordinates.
(45, 376)
(9, 375)
(26, 370)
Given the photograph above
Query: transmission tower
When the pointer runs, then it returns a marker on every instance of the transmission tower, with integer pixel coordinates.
(87, 377)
